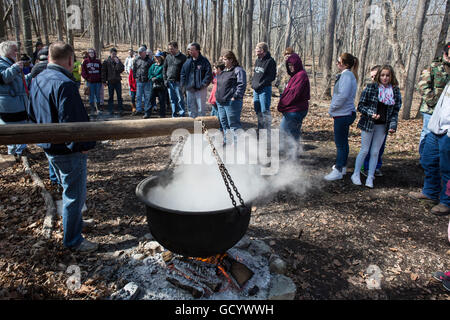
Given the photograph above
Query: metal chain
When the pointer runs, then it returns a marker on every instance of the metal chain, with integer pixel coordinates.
(177, 152)
(223, 170)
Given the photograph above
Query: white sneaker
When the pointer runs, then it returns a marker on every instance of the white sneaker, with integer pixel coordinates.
(369, 182)
(334, 175)
(356, 179)
(344, 170)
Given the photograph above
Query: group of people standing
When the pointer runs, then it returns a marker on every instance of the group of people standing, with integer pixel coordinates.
(51, 94)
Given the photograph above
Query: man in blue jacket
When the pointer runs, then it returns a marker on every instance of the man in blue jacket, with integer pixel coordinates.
(195, 77)
(55, 99)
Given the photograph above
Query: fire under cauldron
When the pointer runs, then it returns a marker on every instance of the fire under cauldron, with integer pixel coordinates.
(193, 234)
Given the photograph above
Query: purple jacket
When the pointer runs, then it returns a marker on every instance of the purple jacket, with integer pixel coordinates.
(296, 95)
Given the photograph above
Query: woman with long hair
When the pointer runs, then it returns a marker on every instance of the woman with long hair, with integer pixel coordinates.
(231, 83)
(379, 105)
(342, 109)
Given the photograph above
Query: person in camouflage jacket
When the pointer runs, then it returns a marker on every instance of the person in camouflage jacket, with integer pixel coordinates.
(430, 86)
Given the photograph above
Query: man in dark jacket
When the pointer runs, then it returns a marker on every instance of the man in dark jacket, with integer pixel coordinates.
(141, 65)
(264, 73)
(111, 70)
(196, 75)
(55, 99)
(42, 57)
(171, 73)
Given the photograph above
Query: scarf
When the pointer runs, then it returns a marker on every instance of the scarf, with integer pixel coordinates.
(386, 95)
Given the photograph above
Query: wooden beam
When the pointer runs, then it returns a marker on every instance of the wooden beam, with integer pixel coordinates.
(99, 130)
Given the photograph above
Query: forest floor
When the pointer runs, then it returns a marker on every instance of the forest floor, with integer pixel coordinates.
(335, 237)
(329, 234)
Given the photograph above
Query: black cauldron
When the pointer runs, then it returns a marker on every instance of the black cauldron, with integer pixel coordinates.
(193, 234)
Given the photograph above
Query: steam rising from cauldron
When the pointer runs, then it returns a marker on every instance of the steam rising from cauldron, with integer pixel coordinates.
(198, 185)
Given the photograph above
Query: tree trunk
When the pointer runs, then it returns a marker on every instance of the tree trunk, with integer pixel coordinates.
(444, 29)
(248, 34)
(43, 13)
(214, 31)
(392, 31)
(419, 23)
(95, 28)
(25, 14)
(69, 32)
(220, 39)
(328, 50)
(287, 38)
(59, 21)
(364, 46)
(150, 22)
(312, 47)
(167, 18)
(3, 35)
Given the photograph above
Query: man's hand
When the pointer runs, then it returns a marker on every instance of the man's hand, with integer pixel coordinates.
(375, 116)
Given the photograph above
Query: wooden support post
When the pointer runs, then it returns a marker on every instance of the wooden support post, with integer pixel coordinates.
(100, 130)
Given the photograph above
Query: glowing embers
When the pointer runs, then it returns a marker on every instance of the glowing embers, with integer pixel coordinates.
(205, 276)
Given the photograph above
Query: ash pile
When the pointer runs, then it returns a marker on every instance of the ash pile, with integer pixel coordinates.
(248, 271)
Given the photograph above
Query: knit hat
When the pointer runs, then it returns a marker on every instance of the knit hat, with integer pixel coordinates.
(43, 54)
(113, 50)
(142, 49)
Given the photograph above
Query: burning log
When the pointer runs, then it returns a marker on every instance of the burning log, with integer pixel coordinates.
(185, 284)
(99, 130)
(201, 275)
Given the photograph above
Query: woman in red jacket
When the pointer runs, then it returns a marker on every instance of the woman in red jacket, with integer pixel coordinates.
(132, 85)
(293, 104)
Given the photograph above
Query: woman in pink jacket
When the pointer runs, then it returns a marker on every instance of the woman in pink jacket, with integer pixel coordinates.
(294, 105)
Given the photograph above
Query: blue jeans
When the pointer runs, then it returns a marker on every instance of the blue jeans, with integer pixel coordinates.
(341, 129)
(15, 148)
(230, 117)
(196, 100)
(94, 92)
(291, 123)
(435, 161)
(426, 118)
(380, 155)
(111, 88)
(176, 99)
(261, 104)
(71, 170)
(143, 89)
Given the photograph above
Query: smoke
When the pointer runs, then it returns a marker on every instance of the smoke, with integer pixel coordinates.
(197, 183)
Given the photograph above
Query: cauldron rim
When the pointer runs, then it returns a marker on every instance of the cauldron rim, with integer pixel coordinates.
(140, 188)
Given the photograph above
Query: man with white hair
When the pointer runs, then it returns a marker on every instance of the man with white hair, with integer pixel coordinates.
(13, 91)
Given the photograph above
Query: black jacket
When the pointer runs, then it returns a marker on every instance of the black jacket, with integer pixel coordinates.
(264, 73)
(140, 68)
(54, 98)
(111, 71)
(172, 67)
(196, 74)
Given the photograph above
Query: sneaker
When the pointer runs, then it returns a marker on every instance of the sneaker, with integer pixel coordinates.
(87, 246)
(364, 173)
(378, 173)
(335, 174)
(356, 179)
(369, 182)
(440, 210)
(419, 196)
(88, 223)
(441, 276)
(146, 116)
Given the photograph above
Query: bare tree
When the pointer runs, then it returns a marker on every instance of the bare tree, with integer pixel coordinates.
(95, 28)
(25, 14)
(364, 46)
(421, 12)
(328, 50)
